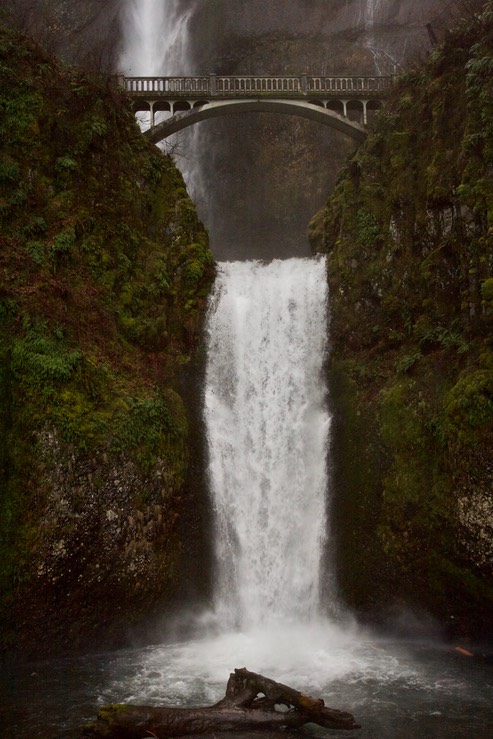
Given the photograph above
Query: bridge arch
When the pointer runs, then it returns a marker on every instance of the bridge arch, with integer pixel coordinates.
(315, 112)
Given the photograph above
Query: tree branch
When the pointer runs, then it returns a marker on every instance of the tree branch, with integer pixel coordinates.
(251, 703)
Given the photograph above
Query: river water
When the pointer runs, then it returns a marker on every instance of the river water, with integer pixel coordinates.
(268, 424)
(396, 690)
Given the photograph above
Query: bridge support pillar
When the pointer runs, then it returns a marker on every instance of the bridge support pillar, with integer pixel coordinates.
(151, 110)
(344, 108)
(365, 112)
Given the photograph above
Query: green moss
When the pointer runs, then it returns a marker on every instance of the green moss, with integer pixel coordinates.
(469, 405)
(105, 270)
(368, 228)
(107, 717)
(361, 563)
(487, 290)
(409, 247)
(152, 428)
(41, 360)
(110, 711)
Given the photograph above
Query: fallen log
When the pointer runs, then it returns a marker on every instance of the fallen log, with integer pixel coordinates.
(252, 703)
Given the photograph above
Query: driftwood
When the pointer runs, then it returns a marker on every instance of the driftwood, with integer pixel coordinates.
(252, 703)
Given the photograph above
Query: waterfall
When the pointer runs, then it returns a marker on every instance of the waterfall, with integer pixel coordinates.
(372, 13)
(267, 426)
(157, 43)
(156, 38)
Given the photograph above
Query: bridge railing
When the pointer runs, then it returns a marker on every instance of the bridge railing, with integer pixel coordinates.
(245, 86)
(348, 84)
(234, 85)
(166, 85)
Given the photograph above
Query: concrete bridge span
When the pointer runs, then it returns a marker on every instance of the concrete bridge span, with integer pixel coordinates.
(344, 103)
(313, 112)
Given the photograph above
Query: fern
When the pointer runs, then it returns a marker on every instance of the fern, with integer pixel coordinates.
(41, 360)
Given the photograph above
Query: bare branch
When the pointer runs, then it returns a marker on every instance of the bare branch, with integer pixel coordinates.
(240, 709)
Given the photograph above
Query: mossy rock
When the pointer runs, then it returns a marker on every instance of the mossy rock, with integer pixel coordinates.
(105, 272)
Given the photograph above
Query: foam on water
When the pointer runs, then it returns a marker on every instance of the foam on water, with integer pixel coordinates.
(382, 682)
(312, 657)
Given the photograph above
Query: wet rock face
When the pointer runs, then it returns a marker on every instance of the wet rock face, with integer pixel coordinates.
(475, 507)
(79, 31)
(105, 271)
(309, 18)
(101, 517)
(409, 243)
(105, 551)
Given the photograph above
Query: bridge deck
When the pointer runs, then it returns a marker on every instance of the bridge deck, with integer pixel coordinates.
(236, 86)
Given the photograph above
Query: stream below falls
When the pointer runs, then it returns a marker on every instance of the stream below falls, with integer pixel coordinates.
(395, 689)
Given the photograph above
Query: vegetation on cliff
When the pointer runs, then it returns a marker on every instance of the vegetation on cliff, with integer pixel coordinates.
(104, 271)
(409, 237)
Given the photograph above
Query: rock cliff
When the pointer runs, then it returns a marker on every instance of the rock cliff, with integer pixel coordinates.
(409, 237)
(104, 271)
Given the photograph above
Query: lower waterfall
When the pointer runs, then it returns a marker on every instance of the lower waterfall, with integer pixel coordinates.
(267, 424)
(267, 429)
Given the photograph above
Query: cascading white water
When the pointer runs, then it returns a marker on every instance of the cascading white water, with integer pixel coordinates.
(370, 15)
(267, 426)
(370, 11)
(157, 43)
(156, 38)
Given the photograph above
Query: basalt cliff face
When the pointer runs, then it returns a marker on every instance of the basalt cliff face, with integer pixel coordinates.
(409, 238)
(104, 271)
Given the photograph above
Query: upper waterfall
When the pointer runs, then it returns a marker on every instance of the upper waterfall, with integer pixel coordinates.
(156, 37)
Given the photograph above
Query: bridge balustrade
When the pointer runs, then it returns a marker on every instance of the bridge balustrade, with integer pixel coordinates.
(190, 84)
(234, 84)
(219, 86)
(348, 84)
(167, 85)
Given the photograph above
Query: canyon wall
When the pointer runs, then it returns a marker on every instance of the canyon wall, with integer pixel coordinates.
(104, 273)
(409, 237)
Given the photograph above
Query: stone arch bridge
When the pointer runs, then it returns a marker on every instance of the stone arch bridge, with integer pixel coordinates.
(344, 103)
